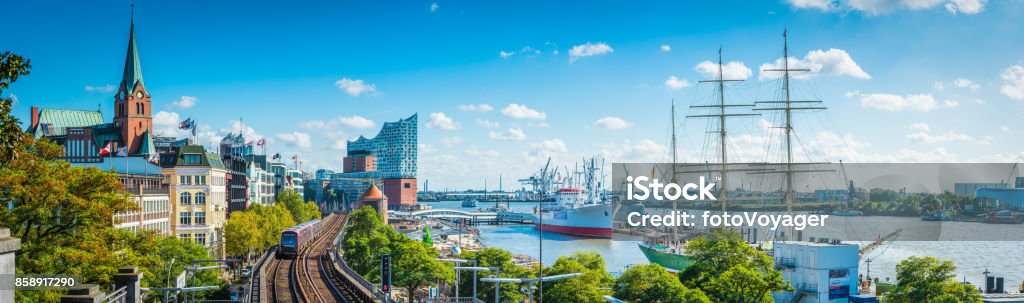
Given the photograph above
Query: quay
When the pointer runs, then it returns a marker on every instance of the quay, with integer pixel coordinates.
(470, 217)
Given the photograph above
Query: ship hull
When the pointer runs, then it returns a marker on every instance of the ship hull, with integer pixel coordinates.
(592, 221)
(670, 261)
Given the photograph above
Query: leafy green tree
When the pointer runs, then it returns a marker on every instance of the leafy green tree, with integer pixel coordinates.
(365, 240)
(271, 220)
(11, 67)
(301, 211)
(722, 260)
(652, 283)
(415, 265)
(927, 279)
(584, 288)
(493, 257)
(242, 234)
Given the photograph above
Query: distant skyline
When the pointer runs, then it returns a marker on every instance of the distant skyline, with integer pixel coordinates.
(499, 87)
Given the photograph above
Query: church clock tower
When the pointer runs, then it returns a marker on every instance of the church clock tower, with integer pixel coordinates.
(132, 106)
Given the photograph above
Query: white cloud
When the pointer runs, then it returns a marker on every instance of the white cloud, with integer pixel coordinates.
(451, 141)
(185, 102)
(434, 7)
(938, 85)
(512, 134)
(547, 148)
(487, 123)
(923, 127)
(674, 83)
(823, 5)
(966, 83)
(1004, 128)
(483, 108)
(612, 123)
(969, 7)
(520, 111)
(666, 48)
(296, 139)
(878, 7)
(589, 49)
(505, 55)
(359, 122)
(1013, 82)
(890, 102)
(340, 144)
(166, 124)
(442, 121)
(928, 138)
(833, 62)
(109, 88)
(356, 122)
(733, 70)
(540, 124)
(356, 87)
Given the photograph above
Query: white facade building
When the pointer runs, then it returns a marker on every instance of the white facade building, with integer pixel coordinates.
(261, 185)
(823, 271)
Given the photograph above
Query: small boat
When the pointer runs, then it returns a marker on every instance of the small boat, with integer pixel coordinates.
(1002, 217)
(847, 213)
(940, 215)
(671, 257)
(469, 203)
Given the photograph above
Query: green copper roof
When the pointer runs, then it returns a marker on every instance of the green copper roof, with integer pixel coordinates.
(205, 159)
(147, 147)
(58, 120)
(132, 65)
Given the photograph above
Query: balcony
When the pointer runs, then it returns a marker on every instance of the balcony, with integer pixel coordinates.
(807, 288)
(785, 262)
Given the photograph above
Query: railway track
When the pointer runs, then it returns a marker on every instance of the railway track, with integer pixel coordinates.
(310, 276)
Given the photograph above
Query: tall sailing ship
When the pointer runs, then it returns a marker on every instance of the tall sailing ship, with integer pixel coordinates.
(667, 250)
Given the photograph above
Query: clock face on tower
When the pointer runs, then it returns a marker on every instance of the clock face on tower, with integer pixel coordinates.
(138, 95)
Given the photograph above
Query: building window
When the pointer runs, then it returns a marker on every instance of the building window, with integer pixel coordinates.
(200, 198)
(406, 185)
(186, 218)
(186, 198)
(192, 159)
(201, 239)
(182, 179)
(202, 180)
(183, 237)
(200, 217)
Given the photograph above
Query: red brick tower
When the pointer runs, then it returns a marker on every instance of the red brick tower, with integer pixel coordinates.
(132, 106)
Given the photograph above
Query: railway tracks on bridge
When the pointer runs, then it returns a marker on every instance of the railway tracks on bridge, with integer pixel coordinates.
(312, 276)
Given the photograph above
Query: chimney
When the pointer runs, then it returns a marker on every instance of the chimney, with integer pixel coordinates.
(34, 118)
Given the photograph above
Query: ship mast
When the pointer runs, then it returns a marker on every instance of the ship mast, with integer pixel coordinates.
(675, 202)
(788, 126)
(721, 115)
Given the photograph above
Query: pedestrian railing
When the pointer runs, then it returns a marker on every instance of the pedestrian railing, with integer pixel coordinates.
(118, 296)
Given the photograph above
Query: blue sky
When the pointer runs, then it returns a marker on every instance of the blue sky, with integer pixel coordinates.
(905, 81)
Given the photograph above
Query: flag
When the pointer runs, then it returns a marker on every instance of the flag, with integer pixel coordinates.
(276, 156)
(122, 151)
(154, 157)
(248, 143)
(105, 150)
(260, 142)
(187, 124)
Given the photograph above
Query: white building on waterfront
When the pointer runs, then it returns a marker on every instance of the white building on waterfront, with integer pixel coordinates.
(261, 185)
(821, 271)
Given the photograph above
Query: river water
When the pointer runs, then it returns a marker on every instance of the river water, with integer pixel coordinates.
(973, 247)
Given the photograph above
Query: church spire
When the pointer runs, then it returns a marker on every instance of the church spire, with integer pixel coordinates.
(132, 66)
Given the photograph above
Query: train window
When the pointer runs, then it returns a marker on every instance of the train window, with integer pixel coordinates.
(288, 240)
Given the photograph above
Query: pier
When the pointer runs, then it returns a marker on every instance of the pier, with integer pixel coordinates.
(473, 217)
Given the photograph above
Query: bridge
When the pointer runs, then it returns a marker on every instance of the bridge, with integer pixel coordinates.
(474, 217)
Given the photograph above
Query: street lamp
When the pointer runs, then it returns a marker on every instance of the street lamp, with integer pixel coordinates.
(475, 269)
(515, 280)
(460, 261)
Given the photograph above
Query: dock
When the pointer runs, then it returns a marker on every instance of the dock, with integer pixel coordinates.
(470, 217)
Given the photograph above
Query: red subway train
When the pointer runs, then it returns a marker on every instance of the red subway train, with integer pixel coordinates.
(294, 239)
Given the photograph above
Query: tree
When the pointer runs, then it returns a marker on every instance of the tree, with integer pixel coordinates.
(271, 220)
(723, 260)
(365, 240)
(11, 67)
(242, 234)
(652, 283)
(493, 257)
(927, 279)
(301, 211)
(415, 265)
(584, 288)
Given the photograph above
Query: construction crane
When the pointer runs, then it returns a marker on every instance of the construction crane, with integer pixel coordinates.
(881, 240)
